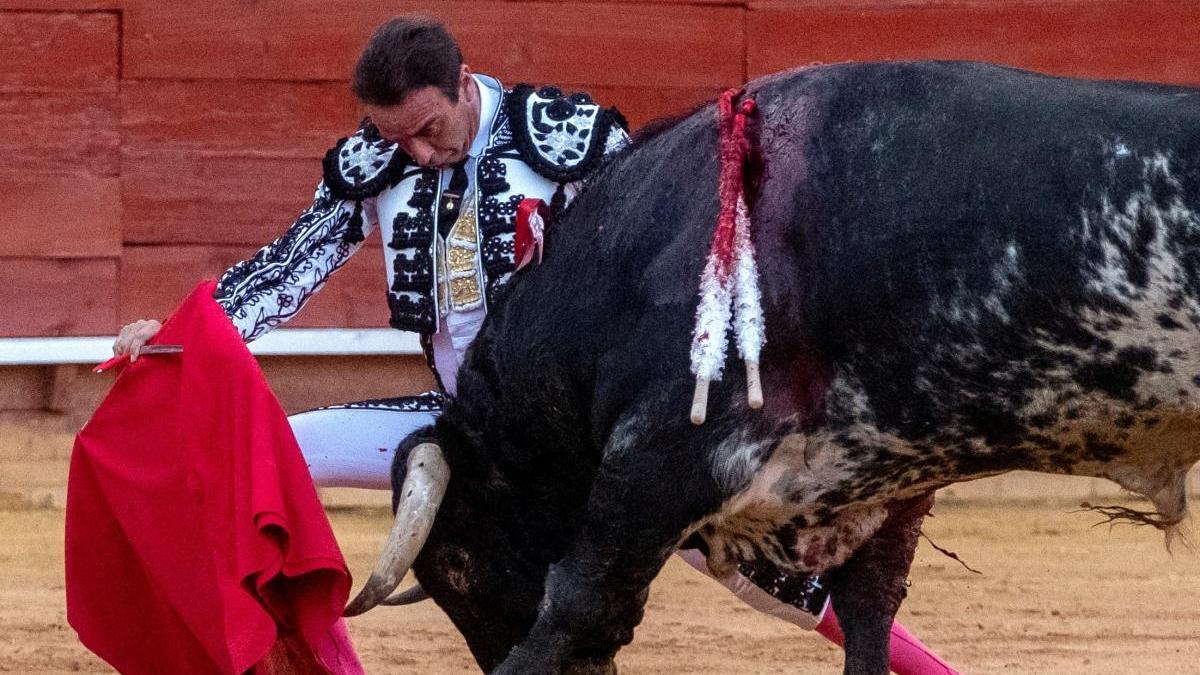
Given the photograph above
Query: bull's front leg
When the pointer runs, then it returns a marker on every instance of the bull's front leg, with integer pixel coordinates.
(648, 490)
(868, 589)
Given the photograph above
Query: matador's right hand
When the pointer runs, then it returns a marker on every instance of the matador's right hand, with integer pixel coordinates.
(134, 336)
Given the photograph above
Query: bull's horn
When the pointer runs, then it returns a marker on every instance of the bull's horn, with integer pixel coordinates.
(422, 492)
(409, 596)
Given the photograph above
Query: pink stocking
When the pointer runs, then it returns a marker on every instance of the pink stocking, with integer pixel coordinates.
(907, 655)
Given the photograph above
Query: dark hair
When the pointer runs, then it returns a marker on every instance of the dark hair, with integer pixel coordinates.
(405, 54)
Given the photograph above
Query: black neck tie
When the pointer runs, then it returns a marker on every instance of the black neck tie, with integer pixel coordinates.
(452, 198)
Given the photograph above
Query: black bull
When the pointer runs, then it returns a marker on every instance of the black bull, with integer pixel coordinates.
(966, 270)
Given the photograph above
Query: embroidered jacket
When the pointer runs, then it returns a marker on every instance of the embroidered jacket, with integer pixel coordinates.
(540, 145)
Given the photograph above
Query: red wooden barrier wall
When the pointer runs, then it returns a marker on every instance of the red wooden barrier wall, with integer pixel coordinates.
(145, 143)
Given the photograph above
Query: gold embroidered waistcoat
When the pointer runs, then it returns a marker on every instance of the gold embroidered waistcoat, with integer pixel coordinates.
(459, 265)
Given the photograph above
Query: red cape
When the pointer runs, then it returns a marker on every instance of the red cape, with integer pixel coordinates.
(195, 542)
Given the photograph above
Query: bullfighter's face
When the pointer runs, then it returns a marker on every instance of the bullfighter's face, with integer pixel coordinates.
(435, 131)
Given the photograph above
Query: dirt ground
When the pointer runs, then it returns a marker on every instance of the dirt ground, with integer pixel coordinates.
(1055, 596)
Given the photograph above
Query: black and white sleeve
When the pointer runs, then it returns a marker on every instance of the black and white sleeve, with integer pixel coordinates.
(266, 290)
(269, 288)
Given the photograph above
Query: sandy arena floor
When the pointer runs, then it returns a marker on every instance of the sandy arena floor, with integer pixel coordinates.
(1055, 596)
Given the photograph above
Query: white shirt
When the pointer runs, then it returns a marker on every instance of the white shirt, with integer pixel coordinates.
(458, 329)
(489, 105)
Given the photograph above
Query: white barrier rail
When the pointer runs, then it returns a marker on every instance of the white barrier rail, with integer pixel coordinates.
(33, 351)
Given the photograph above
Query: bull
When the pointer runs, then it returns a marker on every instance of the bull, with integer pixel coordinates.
(966, 270)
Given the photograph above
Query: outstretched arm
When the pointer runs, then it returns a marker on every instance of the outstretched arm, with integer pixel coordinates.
(271, 287)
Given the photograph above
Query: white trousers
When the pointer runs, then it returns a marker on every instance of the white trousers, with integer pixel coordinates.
(352, 446)
(749, 593)
(450, 344)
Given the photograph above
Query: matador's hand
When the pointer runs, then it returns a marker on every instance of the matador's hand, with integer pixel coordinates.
(134, 336)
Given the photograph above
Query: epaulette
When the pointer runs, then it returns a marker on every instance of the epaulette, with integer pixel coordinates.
(363, 165)
(561, 136)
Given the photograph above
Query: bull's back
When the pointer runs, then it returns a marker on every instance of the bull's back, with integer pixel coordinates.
(1001, 269)
(971, 253)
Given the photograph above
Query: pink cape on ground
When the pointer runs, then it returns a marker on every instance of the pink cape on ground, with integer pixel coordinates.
(195, 542)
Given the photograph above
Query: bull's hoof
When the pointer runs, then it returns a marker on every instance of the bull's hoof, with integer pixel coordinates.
(607, 667)
(520, 663)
